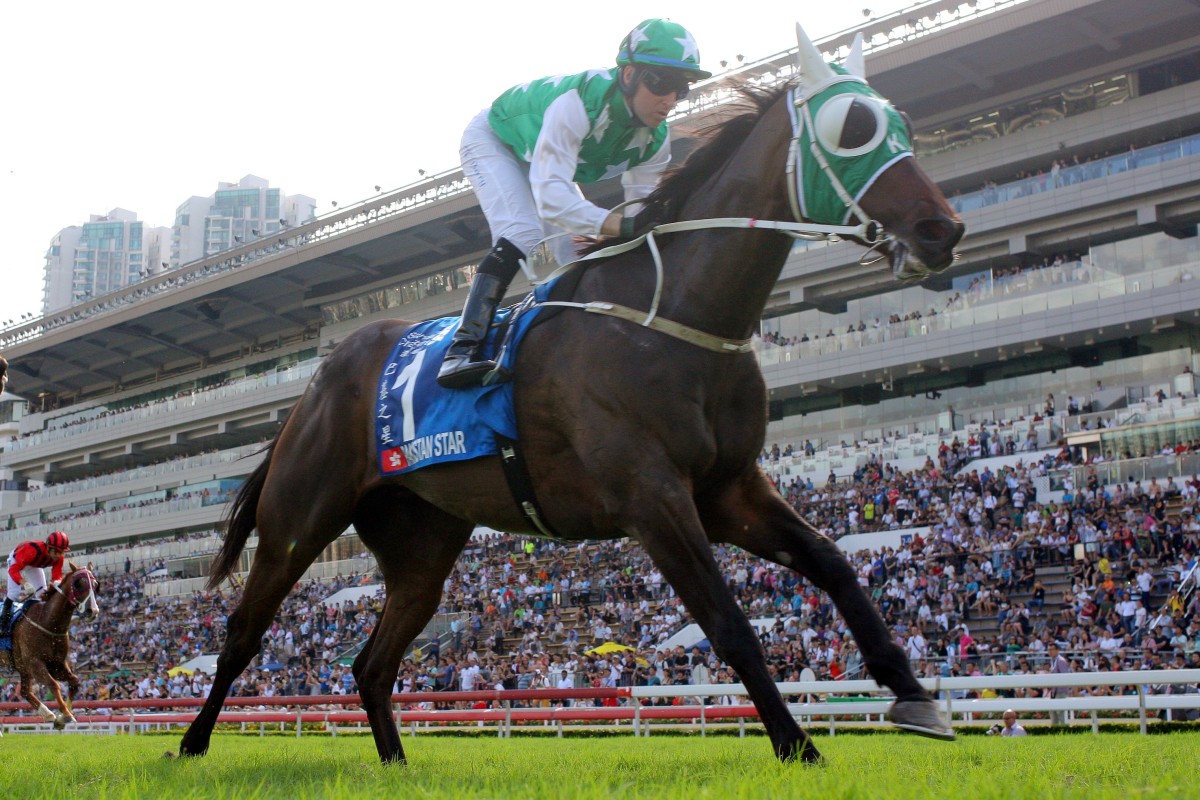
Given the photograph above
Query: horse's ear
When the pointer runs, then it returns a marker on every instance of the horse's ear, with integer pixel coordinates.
(855, 64)
(809, 61)
(71, 564)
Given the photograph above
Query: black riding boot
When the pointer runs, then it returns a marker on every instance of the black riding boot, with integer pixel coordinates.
(465, 364)
(6, 616)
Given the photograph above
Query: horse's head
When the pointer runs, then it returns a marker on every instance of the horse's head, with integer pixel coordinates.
(853, 163)
(79, 587)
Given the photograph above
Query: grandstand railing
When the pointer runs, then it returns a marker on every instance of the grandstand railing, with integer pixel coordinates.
(1128, 470)
(103, 419)
(1155, 691)
(1079, 173)
(159, 470)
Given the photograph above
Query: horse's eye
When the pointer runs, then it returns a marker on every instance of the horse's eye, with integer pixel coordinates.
(859, 126)
(851, 125)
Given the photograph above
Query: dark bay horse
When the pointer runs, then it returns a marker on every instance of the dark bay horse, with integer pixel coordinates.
(42, 645)
(627, 431)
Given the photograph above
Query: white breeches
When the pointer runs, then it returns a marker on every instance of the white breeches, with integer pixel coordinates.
(501, 184)
(35, 576)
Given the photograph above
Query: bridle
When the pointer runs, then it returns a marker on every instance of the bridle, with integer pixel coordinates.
(71, 599)
(800, 107)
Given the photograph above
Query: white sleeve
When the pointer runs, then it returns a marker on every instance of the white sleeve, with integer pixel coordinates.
(552, 169)
(641, 180)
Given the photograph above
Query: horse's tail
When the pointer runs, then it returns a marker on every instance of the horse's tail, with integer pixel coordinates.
(243, 516)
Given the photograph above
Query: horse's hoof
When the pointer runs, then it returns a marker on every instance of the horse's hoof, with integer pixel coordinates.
(811, 757)
(170, 755)
(805, 752)
(922, 717)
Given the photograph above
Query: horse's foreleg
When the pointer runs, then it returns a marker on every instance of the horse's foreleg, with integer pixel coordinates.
(63, 674)
(752, 515)
(670, 531)
(36, 674)
(415, 561)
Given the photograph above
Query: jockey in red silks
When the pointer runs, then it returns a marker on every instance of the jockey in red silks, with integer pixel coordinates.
(27, 563)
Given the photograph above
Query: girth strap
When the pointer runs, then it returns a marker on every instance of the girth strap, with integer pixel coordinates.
(516, 475)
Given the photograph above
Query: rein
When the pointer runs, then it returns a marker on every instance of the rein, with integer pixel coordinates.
(63, 635)
(867, 230)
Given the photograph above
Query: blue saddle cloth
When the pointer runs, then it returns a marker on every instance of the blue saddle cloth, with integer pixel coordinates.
(419, 423)
(6, 636)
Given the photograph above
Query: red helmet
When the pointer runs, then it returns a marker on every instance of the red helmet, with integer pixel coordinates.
(58, 541)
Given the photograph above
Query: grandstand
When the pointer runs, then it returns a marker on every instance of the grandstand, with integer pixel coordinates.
(1056, 357)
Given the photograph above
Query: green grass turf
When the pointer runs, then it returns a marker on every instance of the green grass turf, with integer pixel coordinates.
(1111, 765)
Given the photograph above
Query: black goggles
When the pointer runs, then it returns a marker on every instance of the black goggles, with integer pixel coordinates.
(663, 82)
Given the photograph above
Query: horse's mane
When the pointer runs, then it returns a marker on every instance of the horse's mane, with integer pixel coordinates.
(718, 144)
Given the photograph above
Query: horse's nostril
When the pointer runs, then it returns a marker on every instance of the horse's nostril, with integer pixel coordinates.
(939, 232)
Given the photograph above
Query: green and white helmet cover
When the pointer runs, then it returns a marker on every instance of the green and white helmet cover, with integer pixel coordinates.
(856, 159)
(662, 43)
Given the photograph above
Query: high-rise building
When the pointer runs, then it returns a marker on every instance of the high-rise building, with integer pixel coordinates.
(237, 213)
(106, 253)
(59, 270)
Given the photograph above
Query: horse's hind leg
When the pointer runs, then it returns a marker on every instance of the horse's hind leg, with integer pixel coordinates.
(416, 546)
(294, 525)
(750, 514)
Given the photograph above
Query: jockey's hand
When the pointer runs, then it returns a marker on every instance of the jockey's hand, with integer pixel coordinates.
(581, 242)
(617, 224)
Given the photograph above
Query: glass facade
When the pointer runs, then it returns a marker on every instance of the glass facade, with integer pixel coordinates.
(392, 297)
(108, 253)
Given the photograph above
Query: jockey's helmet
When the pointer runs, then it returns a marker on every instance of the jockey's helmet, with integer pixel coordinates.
(664, 44)
(58, 541)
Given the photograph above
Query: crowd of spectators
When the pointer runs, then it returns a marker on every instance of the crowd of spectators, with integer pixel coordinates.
(989, 582)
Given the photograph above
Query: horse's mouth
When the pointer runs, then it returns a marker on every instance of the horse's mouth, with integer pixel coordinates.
(929, 256)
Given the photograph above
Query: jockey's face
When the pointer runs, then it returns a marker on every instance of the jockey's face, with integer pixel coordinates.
(55, 553)
(651, 109)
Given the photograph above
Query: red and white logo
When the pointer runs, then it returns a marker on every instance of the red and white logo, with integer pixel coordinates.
(393, 460)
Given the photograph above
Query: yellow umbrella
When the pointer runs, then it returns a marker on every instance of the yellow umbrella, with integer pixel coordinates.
(173, 671)
(608, 647)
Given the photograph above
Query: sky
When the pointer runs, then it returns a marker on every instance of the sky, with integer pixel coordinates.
(140, 105)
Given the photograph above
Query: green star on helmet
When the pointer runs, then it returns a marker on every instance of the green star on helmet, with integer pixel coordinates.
(662, 43)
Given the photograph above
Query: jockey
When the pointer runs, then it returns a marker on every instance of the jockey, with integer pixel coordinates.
(526, 154)
(26, 563)
(3, 373)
